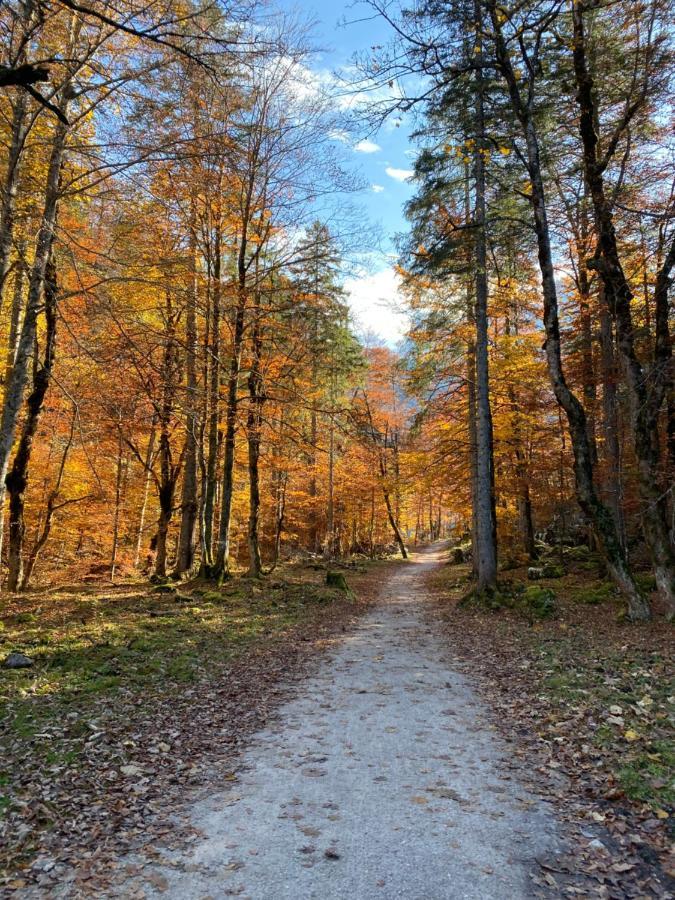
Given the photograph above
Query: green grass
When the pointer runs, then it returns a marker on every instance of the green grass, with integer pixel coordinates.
(650, 776)
(88, 647)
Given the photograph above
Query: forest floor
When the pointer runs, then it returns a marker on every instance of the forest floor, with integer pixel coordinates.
(193, 742)
(587, 702)
(136, 693)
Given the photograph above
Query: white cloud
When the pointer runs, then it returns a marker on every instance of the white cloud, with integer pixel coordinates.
(367, 146)
(376, 188)
(399, 174)
(377, 305)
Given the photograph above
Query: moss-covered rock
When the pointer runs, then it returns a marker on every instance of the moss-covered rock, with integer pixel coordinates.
(553, 571)
(337, 580)
(538, 601)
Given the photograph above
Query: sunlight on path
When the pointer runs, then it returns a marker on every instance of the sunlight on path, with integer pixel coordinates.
(382, 780)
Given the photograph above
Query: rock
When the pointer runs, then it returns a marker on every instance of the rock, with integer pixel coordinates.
(18, 661)
(164, 589)
(597, 845)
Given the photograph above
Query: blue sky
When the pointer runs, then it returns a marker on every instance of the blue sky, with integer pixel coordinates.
(384, 159)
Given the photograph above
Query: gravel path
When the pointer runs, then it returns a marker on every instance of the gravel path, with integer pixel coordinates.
(382, 779)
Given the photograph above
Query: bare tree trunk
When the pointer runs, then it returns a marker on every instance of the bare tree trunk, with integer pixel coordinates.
(16, 312)
(329, 548)
(645, 399)
(211, 486)
(221, 566)
(17, 478)
(612, 452)
(166, 484)
(189, 504)
(254, 433)
(390, 510)
(51, 509)
(119, 475)
(597, 514)
(485, 550)
(19, 130)
(16, 385)
(147, 476)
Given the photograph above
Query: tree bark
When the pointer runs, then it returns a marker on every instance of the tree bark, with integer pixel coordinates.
(645, 394)
(16, 385)
(485, 550)
(17, 478)
(211, 485)
(189, 503)
(597, 514)
(254, 422)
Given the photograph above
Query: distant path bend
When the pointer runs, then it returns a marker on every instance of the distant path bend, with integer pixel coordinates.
(381, 779)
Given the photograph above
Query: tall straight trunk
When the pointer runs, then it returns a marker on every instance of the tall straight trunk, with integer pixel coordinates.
(16, 384)
(471, 415)
(211, 485)
(281, 479)
(147, 476)
(221, 565)
(329, 547)
(485, 551)
(166, 484)
(254, 421)
(595, 511)
(612, 483)
(51, 508)
(588, 379)
(18, 131)
(389, 506)
(119, 476)
(189, 503)
(314, 543)
(17, 478)
(645, 398)
(16, 312)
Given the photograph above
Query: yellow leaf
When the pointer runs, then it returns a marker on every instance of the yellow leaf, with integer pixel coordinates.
(661, 814)
(631, 735)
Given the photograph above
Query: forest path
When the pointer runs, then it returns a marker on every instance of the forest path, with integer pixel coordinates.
(382, 779)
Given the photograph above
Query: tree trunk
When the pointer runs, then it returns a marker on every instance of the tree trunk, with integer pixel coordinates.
(189, 504)
(19, 130)
(645, 400)
(119, 478)
(147, 475)
(485, 550)
(16, 385)
(52, 507)
(595, 511)
(16, 312)
(166, 484)
(329, 547)
(17, 478)
(211, 486)
(612, 482)
(254, 432)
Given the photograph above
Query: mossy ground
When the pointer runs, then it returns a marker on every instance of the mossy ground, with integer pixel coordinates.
(123, 644)
(573, 671)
